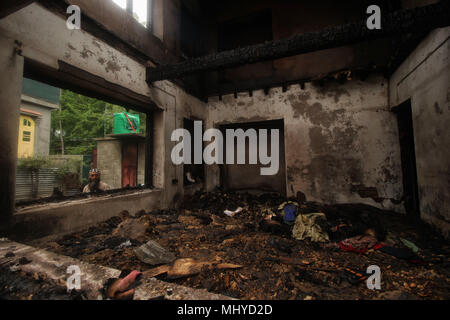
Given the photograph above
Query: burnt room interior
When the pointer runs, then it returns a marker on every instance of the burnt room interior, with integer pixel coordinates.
(362, 173)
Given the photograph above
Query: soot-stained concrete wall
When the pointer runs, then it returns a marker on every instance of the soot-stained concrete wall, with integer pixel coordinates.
(424, 77)
(177, 105)
(341, 139)
(45, 39)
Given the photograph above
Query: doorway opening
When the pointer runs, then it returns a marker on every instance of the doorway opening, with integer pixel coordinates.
(193, 173)
(408, 158)
(247, 177)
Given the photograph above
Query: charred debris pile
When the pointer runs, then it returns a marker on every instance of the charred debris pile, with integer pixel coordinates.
(266, 247)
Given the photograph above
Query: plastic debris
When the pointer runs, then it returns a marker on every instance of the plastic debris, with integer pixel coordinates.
(410, 245)
(124, 245)
(190, 178)
(153, 253)
(233, 213)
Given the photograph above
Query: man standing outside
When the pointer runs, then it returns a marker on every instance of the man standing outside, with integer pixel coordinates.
(95, 185)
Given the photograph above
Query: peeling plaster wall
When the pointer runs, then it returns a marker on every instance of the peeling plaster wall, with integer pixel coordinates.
(46, 39)
(424, 77)
(177, 105)
(341, 140)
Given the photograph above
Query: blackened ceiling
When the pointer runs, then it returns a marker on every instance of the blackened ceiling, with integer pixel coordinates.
(215, 26)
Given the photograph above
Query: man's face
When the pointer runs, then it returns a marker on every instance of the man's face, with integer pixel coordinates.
(94, 177)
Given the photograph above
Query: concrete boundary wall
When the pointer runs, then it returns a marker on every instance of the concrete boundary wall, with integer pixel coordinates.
(70, 216)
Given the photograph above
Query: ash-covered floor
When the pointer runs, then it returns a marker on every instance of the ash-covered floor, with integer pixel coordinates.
(21, 285)
(274, 264)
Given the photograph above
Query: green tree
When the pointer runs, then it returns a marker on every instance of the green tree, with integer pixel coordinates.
(82, 119)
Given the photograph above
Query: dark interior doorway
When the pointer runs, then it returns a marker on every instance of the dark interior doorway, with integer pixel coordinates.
(193, 173)
(408, 157)
(248, 176)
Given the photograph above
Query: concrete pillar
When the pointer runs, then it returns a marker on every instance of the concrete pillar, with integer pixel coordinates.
(11, 74)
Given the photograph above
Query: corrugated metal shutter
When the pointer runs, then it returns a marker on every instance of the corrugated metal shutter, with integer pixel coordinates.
(23, 185)
(47, 182)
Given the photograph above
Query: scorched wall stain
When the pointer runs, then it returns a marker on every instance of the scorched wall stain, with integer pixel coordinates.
(337, 136)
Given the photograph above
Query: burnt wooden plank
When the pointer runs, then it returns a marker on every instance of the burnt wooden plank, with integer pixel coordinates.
(400, 22)
(283, 82)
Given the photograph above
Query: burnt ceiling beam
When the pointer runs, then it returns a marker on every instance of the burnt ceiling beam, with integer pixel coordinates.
(395, 23)
(8, 7)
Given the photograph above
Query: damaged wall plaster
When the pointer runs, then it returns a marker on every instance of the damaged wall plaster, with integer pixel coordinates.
(424, 77)
(178, 105)
(341, 140)
(77, 48)
(54, 42)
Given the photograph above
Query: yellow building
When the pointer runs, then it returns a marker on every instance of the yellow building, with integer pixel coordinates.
(38, 101)
(27, 132)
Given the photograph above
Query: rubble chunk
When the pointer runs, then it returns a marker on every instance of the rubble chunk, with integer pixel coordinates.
(132, 228)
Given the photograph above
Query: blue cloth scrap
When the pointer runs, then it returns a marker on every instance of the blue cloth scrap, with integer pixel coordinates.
(289, 213)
